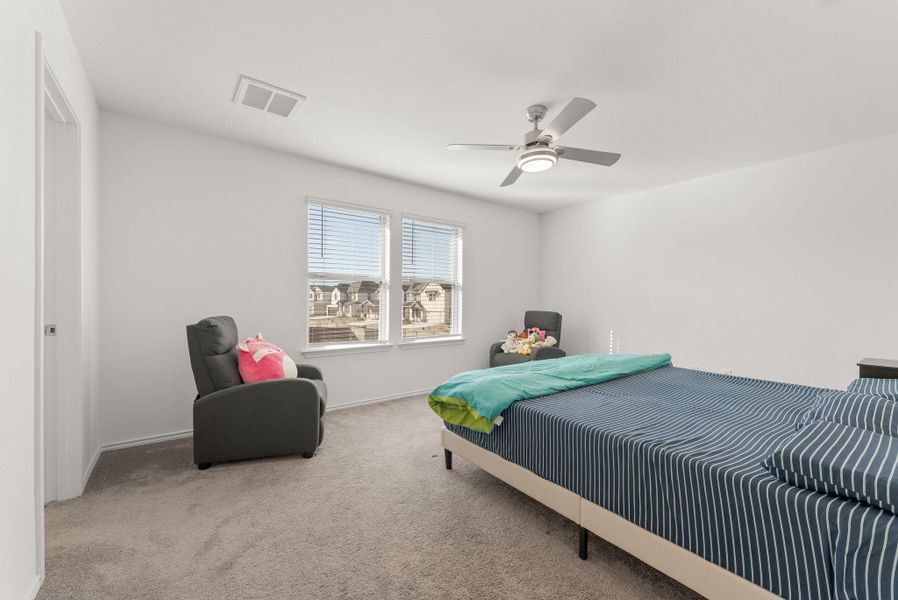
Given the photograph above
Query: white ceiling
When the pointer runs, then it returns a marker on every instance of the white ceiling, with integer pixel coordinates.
(685, 88)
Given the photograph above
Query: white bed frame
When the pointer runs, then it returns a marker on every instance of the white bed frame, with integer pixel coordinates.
(693, 571)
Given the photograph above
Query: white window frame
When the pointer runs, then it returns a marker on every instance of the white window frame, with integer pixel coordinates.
(456, 332)
(383, 341)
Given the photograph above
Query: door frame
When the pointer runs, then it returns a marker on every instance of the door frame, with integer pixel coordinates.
(49, 95)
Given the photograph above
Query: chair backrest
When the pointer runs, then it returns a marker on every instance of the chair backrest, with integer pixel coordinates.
(213, 354)
(548, 321)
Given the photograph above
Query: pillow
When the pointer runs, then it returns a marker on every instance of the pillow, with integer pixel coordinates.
(838, 459)
(888, 388)
(258, 360)
(864, 411)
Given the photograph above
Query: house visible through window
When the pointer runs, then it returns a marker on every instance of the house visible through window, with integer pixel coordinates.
(431, 279)
(347, 274)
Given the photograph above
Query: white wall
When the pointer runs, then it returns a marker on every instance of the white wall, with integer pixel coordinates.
(193, 226)
(785, 270)
(19, 19)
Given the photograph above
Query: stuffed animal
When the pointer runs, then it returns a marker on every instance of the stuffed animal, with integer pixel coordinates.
(538, 332)
(258, 360)
(510, 344)
(526, 341)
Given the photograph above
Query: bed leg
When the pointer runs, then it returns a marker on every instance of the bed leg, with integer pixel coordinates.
(447, 454)
(584, 541)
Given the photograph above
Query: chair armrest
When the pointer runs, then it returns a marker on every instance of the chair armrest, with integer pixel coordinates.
(308, 372)
(260, 393)
(494, 350)
(547, 352)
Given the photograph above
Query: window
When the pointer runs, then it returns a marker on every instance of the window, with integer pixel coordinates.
(431, 278)
(347, 274)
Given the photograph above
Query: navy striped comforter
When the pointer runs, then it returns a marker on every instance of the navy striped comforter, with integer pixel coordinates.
(679, 452)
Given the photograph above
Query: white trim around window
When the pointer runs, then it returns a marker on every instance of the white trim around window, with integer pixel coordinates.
(431, 342)
(346, 348)
(431, 273)
(348, 251)
(347, 277)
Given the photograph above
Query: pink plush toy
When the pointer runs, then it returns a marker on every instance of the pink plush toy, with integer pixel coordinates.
(257, 360)
(539, 332)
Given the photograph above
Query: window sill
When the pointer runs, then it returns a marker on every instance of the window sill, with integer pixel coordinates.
(338, 349)
(432, 342)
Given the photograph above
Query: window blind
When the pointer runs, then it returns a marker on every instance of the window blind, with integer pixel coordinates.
(345, 243)
(430, 251)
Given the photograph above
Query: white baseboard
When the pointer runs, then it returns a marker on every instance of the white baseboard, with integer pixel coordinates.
(90, 468)
(380, 399)
(150, 439)
(38, 582)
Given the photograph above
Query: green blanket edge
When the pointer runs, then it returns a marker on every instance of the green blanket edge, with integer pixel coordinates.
(457, 412)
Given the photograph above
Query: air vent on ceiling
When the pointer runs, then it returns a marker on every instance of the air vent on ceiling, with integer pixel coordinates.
(264, 96)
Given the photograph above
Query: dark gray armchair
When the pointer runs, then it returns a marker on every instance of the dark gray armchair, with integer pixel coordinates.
(233, 420)
(548, 321)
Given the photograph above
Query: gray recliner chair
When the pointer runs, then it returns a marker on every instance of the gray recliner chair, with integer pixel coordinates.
(233, 420)
(548, 321)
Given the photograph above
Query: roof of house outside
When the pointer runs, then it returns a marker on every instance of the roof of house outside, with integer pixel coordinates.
(366, 287)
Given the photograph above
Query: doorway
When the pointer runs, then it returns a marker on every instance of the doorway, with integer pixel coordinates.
(59, 247)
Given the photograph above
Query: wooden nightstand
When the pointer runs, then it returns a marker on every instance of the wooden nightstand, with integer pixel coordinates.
(878, 368)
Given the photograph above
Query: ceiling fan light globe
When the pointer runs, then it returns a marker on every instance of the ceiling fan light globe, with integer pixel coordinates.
(536, 161)
(536, 165)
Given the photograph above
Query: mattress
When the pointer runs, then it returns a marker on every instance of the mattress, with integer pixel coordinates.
(678, 452)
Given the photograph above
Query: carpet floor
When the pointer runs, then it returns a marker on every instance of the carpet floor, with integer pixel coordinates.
(373, 515)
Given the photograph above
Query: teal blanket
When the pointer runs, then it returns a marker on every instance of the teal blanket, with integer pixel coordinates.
(475, 398)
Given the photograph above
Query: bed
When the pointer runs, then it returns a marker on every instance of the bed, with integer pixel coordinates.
(667, 465)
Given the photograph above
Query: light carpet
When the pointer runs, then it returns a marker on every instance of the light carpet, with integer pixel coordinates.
(373, 515)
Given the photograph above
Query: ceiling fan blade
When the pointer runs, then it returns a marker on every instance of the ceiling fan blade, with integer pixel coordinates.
(481, 147)
(512, 177)
(575, 110)
(596, 157)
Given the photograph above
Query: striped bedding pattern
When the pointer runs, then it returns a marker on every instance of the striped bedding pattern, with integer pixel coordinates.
(880, 387)
(864, 411)
(680, 452)
(842, 460)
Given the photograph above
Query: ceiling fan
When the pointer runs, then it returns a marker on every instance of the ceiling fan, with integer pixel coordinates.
(539, 150)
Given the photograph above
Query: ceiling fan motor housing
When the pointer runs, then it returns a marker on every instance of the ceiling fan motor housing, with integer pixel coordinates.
(532, 137)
